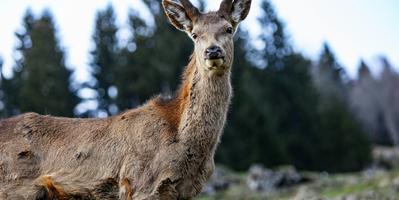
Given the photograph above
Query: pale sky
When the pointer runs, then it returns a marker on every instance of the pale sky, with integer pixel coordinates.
(354, 29)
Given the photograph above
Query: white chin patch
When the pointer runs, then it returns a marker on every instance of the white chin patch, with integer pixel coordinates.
(214, 63)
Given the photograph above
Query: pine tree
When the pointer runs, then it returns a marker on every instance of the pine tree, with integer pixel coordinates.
(10, 94)
(288, 94)
(389, 98)
(275, 117)
(339, 129)
(130, 80)
(268, 114)
(173, 50)
(247, 131)
(365, 101)
(156, 53)
(329, 65)
(329, 76)
(44, 78)
(276, 45)
(2, 111)
(12, 87)
(104, 62)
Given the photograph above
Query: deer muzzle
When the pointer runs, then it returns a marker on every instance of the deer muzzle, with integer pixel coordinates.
(213, 52)
(214, 58)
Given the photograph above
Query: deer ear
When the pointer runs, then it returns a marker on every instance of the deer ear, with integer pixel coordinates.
(177, 15)
(239, 10)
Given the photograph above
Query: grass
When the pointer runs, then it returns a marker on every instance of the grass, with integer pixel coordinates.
(377, 186)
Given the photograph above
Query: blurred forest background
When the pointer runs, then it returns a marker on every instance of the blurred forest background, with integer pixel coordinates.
(286, 110)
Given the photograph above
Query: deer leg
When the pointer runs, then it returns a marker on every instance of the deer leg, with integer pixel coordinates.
(166, 190)
(205, 173)
(192, 186)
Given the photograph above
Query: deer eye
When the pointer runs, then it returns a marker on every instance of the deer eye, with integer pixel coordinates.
(194, 35)
(229, 30)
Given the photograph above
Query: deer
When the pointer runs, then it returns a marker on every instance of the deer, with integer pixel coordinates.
(163, 149)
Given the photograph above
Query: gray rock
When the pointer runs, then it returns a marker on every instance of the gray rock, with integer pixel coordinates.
(386, 157)
(221, 179)
(267, 180)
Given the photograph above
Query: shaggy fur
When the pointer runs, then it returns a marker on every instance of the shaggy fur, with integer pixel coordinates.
(161, 150)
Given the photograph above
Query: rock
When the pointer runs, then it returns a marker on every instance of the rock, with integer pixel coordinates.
(386, 157)
(262, 179)
(221, 179)
(267, 180)
(395, 183)
(384, 182)
(373, 172)
(289, 177)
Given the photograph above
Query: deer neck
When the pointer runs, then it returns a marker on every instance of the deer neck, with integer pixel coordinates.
(207, 99)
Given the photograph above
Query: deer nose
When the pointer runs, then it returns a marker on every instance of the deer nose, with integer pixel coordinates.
(213, 52)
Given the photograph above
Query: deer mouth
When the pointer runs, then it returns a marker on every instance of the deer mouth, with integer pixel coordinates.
(215, 64)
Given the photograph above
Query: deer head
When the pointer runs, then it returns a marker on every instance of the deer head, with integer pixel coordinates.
(212, 33)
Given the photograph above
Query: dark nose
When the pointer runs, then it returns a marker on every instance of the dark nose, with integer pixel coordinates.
(213, 52)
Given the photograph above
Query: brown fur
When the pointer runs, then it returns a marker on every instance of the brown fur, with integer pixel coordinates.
(53, 190)
(161, 150)
(171, 109)
(128, 190)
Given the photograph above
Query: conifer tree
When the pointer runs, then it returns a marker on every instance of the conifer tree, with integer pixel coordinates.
(339, 129)
(132, 68)
(104, 62)
(12, 87)
(288, 95)
(265, 106)
(276, 45)
(173, 50)
(389, 98)
(2, 111)
(156, 53)
(329, 76)
(247, 132)
(365, 104)
(328, 63)
(275, 117)
(44, 78)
